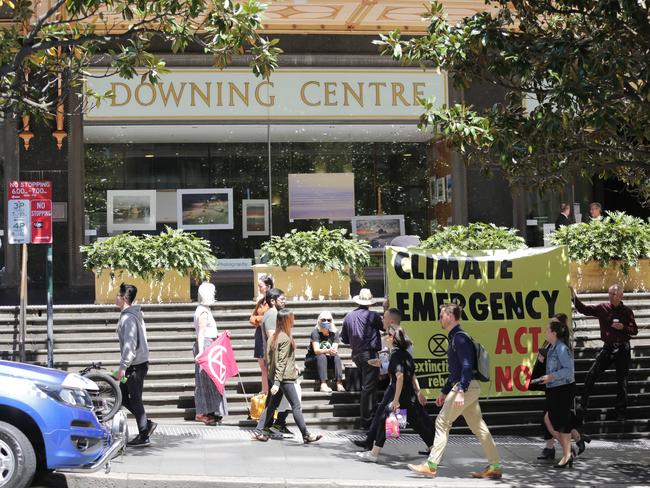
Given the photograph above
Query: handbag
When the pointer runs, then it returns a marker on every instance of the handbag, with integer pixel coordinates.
(258, 403)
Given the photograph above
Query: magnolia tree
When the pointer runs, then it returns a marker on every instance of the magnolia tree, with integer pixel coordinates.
(583, 66)
(46, 48)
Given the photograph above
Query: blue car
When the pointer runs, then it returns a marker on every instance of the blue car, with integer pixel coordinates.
(47, 423)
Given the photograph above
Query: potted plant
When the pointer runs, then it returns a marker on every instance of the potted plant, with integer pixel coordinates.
(160, 266)
(474, 237)
(314, 264)
(613, 250)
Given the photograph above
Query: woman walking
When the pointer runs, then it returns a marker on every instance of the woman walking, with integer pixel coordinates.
(560, 388)
(405, 395)
(211, 406)
(264, 284)
(281, 358)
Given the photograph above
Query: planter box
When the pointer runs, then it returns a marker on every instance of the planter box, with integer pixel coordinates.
(590, 277)
(301, 284)
(174, 287)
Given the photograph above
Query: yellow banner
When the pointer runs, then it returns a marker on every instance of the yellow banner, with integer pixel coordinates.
(507, 300)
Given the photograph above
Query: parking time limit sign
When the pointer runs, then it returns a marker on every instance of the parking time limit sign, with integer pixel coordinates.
(30, 212)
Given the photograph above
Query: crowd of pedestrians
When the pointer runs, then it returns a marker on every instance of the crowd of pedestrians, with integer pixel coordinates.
(381, 349)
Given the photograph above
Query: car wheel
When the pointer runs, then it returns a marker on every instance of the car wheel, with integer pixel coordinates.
(17, 458)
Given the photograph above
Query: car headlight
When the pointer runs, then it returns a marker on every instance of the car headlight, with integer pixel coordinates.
(74, 397)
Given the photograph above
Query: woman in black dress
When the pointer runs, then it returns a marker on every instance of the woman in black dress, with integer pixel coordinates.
(406, 395)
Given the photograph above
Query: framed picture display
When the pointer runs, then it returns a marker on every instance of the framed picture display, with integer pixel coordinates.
(448, 181)
(378, 230)
(440, 190)
(130, 210)
(204, 209)
(321, 196)
(255, 217)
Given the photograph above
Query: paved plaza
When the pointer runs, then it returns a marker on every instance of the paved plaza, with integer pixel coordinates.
(185, 455)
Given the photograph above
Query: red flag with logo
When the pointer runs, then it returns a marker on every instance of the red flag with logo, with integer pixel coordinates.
(218, 361)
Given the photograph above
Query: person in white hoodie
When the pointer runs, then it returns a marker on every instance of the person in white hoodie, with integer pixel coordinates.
(134, 362)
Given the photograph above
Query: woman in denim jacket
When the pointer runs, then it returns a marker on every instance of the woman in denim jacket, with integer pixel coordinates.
(560, 387)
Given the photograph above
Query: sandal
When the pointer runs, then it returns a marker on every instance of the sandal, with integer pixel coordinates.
(259, 436)
(206, 419)
(308, 439)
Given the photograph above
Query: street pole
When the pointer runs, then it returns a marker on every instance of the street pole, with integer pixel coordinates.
(50, 311)
(23, 304)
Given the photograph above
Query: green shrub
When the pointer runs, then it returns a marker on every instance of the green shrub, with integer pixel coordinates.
(319, 250)
(149, 256)
(477, 236)
(617, 237)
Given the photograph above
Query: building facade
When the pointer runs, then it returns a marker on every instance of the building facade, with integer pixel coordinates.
(220, 152)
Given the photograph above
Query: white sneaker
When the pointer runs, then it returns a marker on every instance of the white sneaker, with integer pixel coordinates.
(367, 456)
(324, 388)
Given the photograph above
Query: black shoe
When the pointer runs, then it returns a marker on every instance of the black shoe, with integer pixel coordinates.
(547, 454)
(362, 443)
(568, 464)
(139, 441)
(281, 429)
(425, 452)
(151, 427)
(620, 416)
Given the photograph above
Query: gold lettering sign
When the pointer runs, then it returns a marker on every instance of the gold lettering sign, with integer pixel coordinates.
(186, 93)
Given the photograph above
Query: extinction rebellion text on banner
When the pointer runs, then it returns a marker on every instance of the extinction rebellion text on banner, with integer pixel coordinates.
(507, 300)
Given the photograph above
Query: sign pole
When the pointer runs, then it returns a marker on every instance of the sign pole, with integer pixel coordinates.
(23, 304)
(50, 311)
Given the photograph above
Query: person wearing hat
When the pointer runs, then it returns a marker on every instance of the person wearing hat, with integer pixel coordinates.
(323, 350)
(361, 329)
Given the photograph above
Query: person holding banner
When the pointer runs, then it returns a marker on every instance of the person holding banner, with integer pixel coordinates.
(617, 326)
(459, 396)
(281, 360)
(560, 388)
(211, 406)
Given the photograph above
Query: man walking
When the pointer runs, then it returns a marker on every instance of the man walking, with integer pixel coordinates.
(617, 325)
(134, 362)
(459, 396)
(360, 330)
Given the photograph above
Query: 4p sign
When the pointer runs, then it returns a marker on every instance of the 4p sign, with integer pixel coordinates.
(30, 212)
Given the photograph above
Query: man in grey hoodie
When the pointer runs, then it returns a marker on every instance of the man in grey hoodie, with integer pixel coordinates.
(134, 362)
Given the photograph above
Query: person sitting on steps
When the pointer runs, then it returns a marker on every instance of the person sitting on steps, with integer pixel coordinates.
(323, 352)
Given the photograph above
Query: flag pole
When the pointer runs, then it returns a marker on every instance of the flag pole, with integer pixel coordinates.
(241, 382)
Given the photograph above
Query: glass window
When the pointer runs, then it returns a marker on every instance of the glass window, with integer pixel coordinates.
(389, 170)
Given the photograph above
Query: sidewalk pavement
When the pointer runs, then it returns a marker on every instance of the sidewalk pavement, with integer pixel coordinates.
(188, 455)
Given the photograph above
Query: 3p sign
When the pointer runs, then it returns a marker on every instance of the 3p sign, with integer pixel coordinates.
(30, 212)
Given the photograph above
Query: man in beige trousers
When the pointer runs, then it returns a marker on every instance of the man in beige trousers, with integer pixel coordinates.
(459, 396)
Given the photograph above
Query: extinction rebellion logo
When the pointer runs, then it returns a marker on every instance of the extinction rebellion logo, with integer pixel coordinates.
(216, 364)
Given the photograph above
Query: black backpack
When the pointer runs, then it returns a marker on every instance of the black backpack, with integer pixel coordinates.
(481, 359)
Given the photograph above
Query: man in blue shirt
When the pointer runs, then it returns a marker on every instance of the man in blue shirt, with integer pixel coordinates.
(459, 396)
(361, 331)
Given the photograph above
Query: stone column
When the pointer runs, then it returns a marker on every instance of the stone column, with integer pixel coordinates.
(76, 182)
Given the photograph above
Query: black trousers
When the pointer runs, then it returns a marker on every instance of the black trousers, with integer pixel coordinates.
(281, 420)
(288, 390)
(620, 356)
(323, 362)
(132, 394)
(369, 380)
(416, 416)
